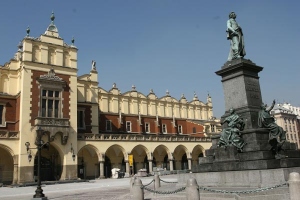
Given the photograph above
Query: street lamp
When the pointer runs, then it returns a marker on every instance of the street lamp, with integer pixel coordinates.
(39, 145)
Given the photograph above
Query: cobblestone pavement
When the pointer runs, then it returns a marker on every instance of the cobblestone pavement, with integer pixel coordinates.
(97, 189)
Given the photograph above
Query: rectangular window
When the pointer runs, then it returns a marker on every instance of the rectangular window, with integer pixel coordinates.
(147, 127)
(294, 129)
(80, 119)
(287, 137)
(290, 128)
(128, 126)
(292, 138)
(51, 102)
(108, 125)
(286, 129)
(164, 128)
(194, 129)
(2, 115)
(179, 129)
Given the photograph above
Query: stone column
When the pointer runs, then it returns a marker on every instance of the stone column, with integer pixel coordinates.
(16, 170)
(190, 163)
(150, 166)
(171, 164)
(127, 167)
(101, 164)
(15, 175)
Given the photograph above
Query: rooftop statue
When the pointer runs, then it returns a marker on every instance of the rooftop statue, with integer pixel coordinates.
(277, 136)
(232, 134)
(235, 35)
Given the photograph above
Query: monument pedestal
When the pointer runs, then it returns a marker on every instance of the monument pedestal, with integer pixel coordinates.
(242, 93)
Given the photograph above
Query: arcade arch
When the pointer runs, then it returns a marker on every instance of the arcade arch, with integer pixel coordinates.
(115, 157)
(181, 158)
(6, 165)
(140, 158)
(88, 162)
(161, 154)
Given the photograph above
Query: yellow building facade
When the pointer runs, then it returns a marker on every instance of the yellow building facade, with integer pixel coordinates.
(87, 130)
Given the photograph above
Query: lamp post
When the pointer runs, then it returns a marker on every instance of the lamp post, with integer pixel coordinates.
(39, 145)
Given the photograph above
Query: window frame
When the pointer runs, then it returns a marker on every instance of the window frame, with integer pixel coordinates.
(130, 127)
(110, 125)
(179, 129)
(2, 120)
(83, 118)
(147, 126)
(164, 129)
(47, 98)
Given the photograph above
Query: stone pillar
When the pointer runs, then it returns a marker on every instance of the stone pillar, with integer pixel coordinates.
(15, 175)
(192, 191)
(127, 167)
(101, 164)
(16, 170)
(156, 182)
(190, 163)
(246, 98)
(171, 164)
(294, 185)
(150, 166)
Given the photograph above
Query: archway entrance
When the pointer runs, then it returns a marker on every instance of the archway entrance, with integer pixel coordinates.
(180, 157)
(6, 167)
(197, 152)
(114, 158)
(161, 157)
(140, 158)
(88, 163)
(51, 168)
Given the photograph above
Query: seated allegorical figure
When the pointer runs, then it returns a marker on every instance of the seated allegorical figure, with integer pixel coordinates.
(277, 136)
(231, 136)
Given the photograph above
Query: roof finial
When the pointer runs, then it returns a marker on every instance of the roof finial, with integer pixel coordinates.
(52, 17)
(20, 46)
(27, 31)
(93, 65)
(167, 93)
(72, 41)
(182, 96)
(133, 87)
(151, 91)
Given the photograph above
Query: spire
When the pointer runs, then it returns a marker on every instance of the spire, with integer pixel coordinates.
(52, 29)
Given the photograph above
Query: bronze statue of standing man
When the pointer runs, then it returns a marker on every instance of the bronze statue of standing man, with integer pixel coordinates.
(235, 35)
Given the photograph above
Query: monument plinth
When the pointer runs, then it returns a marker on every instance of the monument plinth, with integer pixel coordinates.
(242, 93)
(242, 89)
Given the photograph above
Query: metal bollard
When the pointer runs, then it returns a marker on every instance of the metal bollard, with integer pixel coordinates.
(192, 189)
(156, 181)
(294, 185)
(137, 191)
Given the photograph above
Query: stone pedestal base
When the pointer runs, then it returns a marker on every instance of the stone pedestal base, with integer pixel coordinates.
(256, 155)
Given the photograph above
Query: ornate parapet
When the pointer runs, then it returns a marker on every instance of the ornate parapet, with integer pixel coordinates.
(145, 138)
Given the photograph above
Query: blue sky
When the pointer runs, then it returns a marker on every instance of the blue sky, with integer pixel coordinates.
(174, 45)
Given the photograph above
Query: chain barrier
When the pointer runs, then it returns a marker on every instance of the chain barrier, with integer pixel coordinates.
(242, 192)
(167, 181)
(147, 184)
(165, 192)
